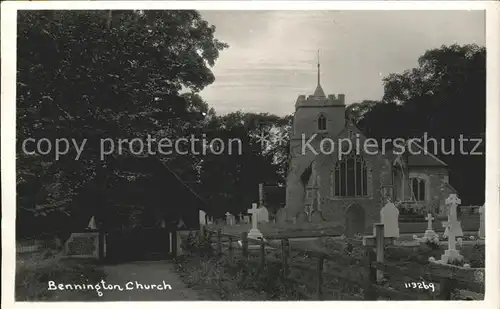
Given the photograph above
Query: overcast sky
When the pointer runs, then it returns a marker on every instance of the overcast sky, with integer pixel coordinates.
(272, 54)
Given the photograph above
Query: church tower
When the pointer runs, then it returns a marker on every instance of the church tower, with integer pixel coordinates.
(318, 116)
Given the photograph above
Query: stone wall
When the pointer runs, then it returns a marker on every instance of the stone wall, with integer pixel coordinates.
(333, 210)
(379, 174)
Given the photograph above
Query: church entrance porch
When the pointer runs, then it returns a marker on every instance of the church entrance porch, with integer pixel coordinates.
(354, 220)
(139, 244)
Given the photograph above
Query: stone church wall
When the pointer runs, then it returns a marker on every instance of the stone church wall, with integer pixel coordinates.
(334, 208)
(437, 178)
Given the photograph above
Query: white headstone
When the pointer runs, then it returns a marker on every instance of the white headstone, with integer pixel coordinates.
(254, 231)
(229, 218)
(429, 219)
(181, 224)
(453, 224)
(389, 215)
(429, 233)
(203, 217)
(263, 214)
(92, 225)
(481, 232)
(453, 229)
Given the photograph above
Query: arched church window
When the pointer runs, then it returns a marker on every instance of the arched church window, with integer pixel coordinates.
(418, 188)
(321, 123)
(350, 177)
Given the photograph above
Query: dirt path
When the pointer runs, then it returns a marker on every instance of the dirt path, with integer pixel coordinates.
(129, 277)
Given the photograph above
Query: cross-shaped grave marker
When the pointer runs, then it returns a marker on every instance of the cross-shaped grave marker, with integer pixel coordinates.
(452, 226)
(429, 233)
(254, 231)
(429, 219)
(378, 241)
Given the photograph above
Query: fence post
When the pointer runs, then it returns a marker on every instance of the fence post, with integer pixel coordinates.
(446, 287)
(244, 244)
(219, 243)
(371, 275)
(379, 249)
(320, 277)
(262, 253)
(284, 262)
(178, 243)
(230, 250)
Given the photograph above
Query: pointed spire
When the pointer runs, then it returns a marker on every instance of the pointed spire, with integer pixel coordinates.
(319, 90)
(319, 70)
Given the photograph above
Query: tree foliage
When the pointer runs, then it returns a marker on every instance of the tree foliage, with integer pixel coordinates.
(91, 75)
(445, 98)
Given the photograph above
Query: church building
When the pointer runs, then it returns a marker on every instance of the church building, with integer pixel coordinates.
(352, 187)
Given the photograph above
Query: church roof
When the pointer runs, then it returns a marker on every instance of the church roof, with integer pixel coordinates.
(422, 158)
(425, 160)
(319, 92)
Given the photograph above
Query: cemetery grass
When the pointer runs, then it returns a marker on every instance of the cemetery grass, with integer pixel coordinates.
(244, 280)
(410, 258)
(34, 271)
(201, 269)
(474, 255)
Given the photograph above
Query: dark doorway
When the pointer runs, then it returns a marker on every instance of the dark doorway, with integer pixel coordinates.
(354, 220)
(139, 244)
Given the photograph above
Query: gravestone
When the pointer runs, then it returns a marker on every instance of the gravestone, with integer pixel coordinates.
(203, 217)
(263, 214)
(429, 233)
(453, 229)
(281, 216)
(316, 216)
(92, 225)
(240, 218)
(246, 219)
(254, 232)
(354, 220)
(302, 217)
(83, 245)
(457, 226)
(481, 232)
(229, 218)
(389, 216)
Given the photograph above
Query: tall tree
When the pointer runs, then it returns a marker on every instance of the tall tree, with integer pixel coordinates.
(445, 98)
(93, 75)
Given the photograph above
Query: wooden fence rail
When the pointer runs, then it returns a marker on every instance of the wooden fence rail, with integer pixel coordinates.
(372, 266)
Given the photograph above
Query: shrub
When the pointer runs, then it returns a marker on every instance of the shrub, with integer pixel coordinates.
(198, 244)
(33, 271)
(477, 256)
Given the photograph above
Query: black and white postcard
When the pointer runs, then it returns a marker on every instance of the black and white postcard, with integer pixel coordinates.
(250, 151)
